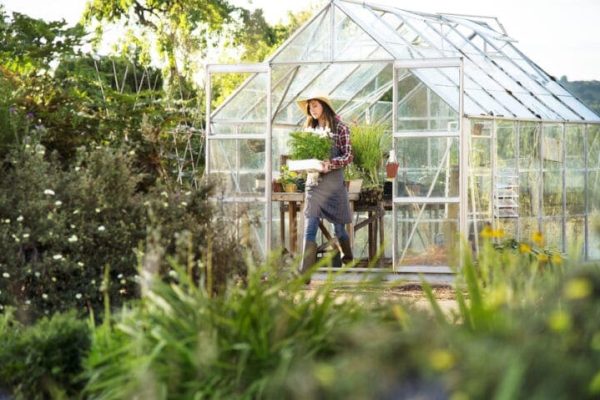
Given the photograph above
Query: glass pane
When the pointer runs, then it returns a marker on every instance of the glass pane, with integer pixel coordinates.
(428, 166)
(552, 148)
(506, 146)
(248, 104)
(426, 234)
(552, 230)
(312, 44)
(529, 193)
(248, 222)
(593, 192)
(593, 138)
(579, 107)
(575, 235)
(529, 146)
(553, 189)
(594, 236)
(527, 227)
(575, 192)
(480, 195)
(238, 165)
(351, 41)
(575, 146)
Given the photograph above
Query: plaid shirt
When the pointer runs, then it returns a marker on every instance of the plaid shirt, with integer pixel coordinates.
(342, 142)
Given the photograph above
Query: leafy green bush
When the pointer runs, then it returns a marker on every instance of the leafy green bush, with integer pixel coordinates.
(179, 342)
(61, 228)
(43, 360)
(369, 146)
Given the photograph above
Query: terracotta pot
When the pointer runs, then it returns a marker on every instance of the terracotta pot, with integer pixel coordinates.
(391, 169)
(277, 187)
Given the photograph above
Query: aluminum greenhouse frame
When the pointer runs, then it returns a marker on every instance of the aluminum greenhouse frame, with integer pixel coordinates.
(483, 134)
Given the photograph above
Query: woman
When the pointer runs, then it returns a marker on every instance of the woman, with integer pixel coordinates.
(328, 198)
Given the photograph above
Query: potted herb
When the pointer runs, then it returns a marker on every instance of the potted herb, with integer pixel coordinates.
(288, 179)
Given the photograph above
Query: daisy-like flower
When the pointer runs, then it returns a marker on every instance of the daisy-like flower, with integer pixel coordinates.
(76, 211)
(164, 194)
(77, 169)
(58, 203)
(524, 248)
(57, 257)
(44, 296)
(6, 275)
(78, 296)
(184, 204)
(72, 239)
(101, 228)
(49, 192)
(79, 263)
(53, 279)
(538, 238)
(20, 218)
(26, 236)
(98, 210)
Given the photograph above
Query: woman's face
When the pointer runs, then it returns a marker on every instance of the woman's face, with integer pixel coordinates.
(315, 108)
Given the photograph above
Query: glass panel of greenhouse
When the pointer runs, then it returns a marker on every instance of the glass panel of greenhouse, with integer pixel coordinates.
(482, 135)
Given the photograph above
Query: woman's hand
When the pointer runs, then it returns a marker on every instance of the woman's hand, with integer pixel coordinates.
(326, 166)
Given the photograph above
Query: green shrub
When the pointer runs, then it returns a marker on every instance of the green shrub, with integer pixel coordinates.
(43, 360)
(179, 342)
(61, 227)
(369, 146)
(308, 145)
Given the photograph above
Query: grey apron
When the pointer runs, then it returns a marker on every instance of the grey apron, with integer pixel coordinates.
(329, 198)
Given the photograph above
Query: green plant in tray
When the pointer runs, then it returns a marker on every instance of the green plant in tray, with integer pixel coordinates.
(309, 143)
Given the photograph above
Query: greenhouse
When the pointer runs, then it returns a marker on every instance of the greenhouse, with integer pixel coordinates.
(483, 136)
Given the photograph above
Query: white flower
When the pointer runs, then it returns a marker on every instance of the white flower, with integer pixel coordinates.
(25, 235)
(173, 274)
(44, 296)
(93, 282)
(80, 264)
(58, 203)
(28, 302)
(101, 228)
(146, 203)
(132, 153)
(6, 275)
(76, 211)
(184, 204)
(7, 221)
(78, 296)
(49, 192)
(119, 276)
(188, 193)
(37, 274)
(57, 257)
(20, 218)
(123, 281)
(72, 239)
(165, 204)
(53, 279)
(164, 194)
(98, 210)
(72, 226)
(77, 169)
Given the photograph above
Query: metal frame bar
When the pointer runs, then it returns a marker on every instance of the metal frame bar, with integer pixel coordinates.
(564, 188)
(394, 183)
(586, 220)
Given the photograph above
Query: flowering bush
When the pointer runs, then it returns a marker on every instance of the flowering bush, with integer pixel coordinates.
(310, 143)
(61, 228)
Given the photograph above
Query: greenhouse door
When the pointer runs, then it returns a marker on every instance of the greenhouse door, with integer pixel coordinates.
(429, 192)
(238, 152)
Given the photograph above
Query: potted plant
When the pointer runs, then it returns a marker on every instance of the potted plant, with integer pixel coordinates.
(288, 179)
(369, 145)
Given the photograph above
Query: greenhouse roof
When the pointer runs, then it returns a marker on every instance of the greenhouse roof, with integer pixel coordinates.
(329, 52)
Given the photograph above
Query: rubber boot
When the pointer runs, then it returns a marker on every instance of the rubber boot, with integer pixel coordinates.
(346, 250)
(309, 258)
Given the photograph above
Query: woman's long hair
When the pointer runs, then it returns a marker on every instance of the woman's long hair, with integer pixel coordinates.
(329, 117)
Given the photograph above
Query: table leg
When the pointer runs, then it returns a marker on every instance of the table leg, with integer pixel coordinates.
(293, 231)
(282, 223)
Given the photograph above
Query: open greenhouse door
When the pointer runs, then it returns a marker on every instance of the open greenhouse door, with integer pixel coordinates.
(238, 151)
(429, 207)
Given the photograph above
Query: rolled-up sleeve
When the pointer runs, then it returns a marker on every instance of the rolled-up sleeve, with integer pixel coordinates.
(343, 143)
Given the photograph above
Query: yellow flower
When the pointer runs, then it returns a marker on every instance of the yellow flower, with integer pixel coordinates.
(559, 321)
(524, 248)
(538, 238)
(486, 232)
(542, 257)
(498, 233)
(556, 259)
(578, 288)
(441, 360)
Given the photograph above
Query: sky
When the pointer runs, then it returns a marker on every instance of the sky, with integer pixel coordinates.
(561, 36)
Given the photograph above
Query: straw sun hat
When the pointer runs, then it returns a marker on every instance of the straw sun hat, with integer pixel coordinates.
(303, 102)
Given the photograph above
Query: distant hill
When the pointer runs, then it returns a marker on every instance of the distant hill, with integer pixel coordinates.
(586, 91)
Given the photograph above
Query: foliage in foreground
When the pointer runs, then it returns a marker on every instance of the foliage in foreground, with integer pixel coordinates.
(44, 360)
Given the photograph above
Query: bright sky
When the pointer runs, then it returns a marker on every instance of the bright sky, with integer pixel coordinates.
(561, 36)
